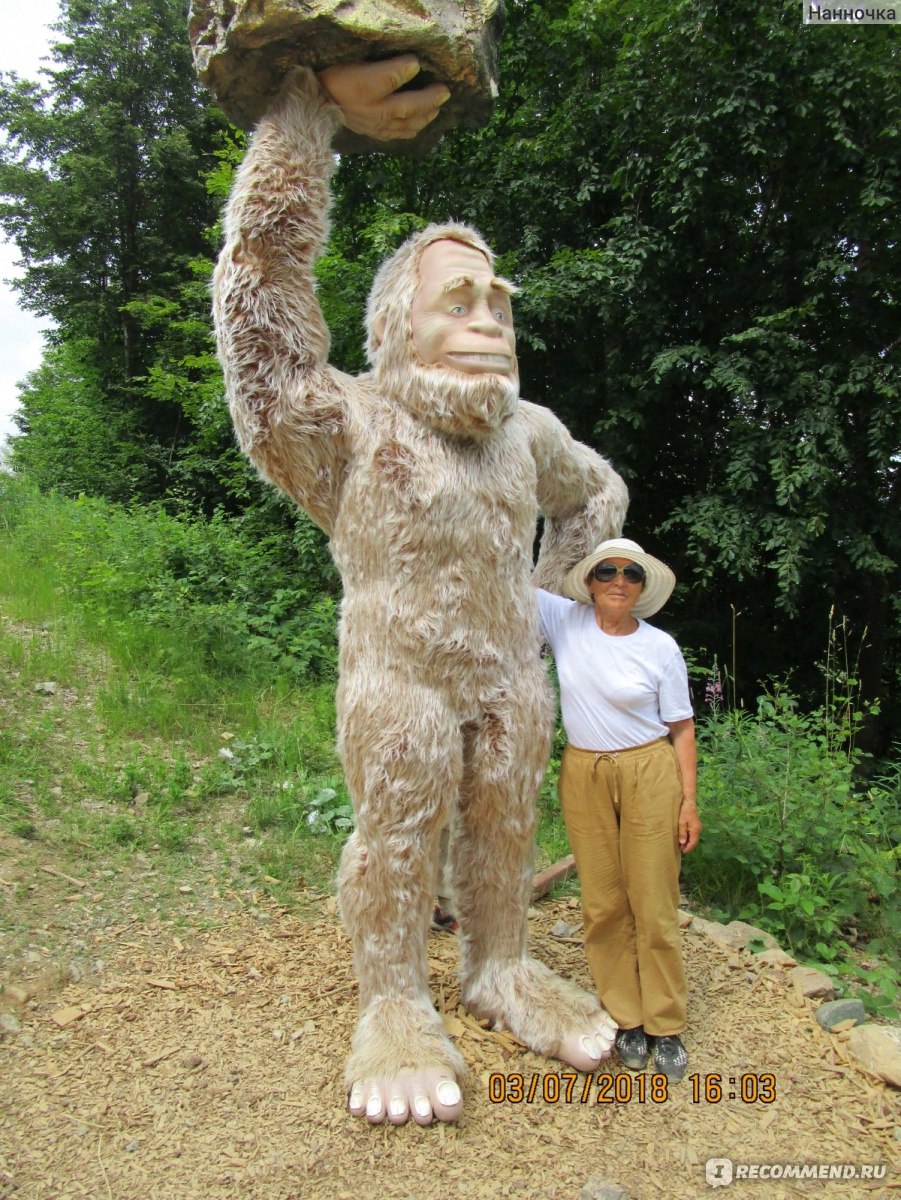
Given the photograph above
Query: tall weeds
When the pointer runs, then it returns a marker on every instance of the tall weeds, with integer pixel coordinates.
(198, 664)
(795, 839)
(201, 600)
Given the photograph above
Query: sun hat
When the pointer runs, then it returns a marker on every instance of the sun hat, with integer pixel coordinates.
(659, 579)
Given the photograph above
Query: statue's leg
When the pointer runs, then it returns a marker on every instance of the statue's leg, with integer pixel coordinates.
(505, 753)
(402, 754)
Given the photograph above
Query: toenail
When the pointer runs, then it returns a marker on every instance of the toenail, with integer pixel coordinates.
(373, 1106)
(398, 1106)
(422, 1106)
(356, 1097)
(591, 1048)
(448, 1092)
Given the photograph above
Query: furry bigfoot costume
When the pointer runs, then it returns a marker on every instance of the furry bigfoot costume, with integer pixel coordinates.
(428, 482)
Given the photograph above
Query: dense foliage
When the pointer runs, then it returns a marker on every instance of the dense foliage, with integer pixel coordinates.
(778, 849)
(238, 595)
(700, 205)
(103, 172)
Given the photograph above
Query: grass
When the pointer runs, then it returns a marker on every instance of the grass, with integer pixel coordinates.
(119, 759)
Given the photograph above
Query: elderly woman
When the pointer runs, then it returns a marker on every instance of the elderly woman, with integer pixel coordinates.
(627, 789)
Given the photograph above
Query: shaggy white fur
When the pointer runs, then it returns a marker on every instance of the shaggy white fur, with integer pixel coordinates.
(429, 485)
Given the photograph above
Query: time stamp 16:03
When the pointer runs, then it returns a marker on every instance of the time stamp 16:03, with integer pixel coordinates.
(572, 1088)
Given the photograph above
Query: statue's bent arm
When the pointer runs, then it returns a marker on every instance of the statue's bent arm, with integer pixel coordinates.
(582, 499)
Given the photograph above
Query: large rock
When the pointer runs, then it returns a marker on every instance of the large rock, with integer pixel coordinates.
(242, 49)
(739, 934)
(878, 1048)
(812, 983)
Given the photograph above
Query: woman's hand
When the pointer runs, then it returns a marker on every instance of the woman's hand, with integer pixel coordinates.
(368, 96)
(682, 734)
(689, 826)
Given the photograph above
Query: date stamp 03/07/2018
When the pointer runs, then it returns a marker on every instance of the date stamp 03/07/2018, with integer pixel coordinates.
(569, 1087)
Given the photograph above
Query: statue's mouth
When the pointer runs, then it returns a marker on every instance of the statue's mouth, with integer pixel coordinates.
(501, 363)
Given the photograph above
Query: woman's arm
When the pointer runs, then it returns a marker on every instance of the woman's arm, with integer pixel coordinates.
(682, 734)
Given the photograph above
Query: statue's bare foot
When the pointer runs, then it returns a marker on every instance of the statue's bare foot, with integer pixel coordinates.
(584, 1048)
(403, 1065)
(426, 1096)
(551, 1015)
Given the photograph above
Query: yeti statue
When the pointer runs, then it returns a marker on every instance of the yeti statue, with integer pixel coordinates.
(428, 474)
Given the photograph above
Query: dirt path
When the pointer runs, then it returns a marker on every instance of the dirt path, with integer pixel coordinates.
(199, 1054)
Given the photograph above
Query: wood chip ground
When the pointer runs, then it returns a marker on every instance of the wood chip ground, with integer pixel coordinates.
(206, 1063)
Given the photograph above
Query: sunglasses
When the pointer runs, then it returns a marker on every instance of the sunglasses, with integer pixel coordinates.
(606, 572)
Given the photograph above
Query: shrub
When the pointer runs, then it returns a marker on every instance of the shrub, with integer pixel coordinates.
(791, 839)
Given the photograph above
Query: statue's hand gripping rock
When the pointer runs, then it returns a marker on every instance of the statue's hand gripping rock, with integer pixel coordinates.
(372, 103)
(428, 474)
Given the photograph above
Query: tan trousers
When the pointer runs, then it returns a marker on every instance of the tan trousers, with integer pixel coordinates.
(621, 811)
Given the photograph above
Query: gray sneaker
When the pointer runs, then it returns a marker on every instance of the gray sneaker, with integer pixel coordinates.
(632, 1048)
(670, 1058)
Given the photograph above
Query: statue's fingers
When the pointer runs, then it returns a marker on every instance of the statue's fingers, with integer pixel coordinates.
(404, 115)
(363, 84)
(420, 104)
(392, 73)
(387, 124)
(406, 127)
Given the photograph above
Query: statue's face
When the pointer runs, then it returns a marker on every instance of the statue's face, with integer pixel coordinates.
(461, 316)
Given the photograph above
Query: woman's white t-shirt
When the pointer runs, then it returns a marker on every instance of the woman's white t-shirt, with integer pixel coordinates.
(615, 692)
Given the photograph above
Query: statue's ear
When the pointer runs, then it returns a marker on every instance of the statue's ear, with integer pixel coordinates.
(378, 330)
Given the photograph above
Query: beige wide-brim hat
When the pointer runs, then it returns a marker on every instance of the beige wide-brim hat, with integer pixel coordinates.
(659, 579)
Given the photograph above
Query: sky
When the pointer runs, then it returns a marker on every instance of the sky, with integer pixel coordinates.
(24, 42)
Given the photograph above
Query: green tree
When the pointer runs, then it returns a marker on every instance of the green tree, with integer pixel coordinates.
(760, 167)
(102, 171)
(74, 442)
